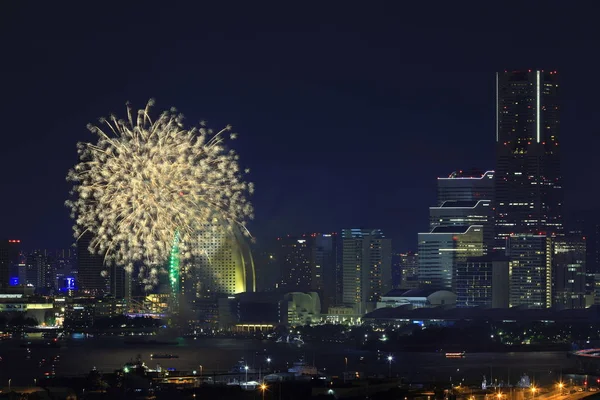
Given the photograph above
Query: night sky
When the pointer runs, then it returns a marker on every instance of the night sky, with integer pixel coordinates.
(346, 114)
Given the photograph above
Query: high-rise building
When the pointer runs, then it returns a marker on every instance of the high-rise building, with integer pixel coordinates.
(40, 271)
(569, 271)
(408, 268)
(366, 263)
(528, 181)
(223, 263)
(465, 213)
(9, 255)
(90, 267)
(530, 269)
(443, 248)
(325, 268)
(469, 185)
(120, 283)
(309, 263)
(295, 257)
(482, 282)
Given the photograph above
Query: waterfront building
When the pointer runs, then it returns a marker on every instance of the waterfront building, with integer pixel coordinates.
(367, 271)
(222, 264)
(417, 298)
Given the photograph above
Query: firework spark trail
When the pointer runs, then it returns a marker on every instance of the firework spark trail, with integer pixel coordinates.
(143, 180)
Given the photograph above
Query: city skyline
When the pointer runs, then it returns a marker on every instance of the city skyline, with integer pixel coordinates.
(299, 124)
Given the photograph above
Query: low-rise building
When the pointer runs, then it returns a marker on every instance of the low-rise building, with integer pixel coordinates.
(417, 298)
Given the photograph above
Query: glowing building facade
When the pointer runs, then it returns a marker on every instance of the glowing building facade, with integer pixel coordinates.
(224, 264)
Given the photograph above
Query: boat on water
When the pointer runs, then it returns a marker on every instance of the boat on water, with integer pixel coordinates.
(302, 368)
(291, 339)
(154, 356)
(456, 354)
(241, 368)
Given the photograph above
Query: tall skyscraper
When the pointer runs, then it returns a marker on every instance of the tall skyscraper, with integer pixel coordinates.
(442, 249)
(89, 269)
(367, 270)
(471, 185)
(528, 181)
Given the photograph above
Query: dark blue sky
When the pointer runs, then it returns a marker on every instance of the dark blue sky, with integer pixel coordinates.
(346, 114)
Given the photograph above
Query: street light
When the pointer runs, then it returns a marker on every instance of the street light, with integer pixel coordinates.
(9, 384)
(246, 368)
(263, 387)
(533, 390)
(269, 363)
(390, 359)
(201, 370)
(560, 387)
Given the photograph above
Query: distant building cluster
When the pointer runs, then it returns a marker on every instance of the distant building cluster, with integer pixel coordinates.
(496, 239)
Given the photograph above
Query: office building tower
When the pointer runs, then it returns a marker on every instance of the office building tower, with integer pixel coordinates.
(40, 271)
(465, 213)
(528, 181)
(530, 269)
(466, 186)
(295, 257)
(120, 283)
(569, 271)
(408, 266)
(483, 282)
(325, 268)
(443, 248)
(65, 267)
(90, 267)
(9, 257)
(309, 263)
(588, 224)
(366, 263)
